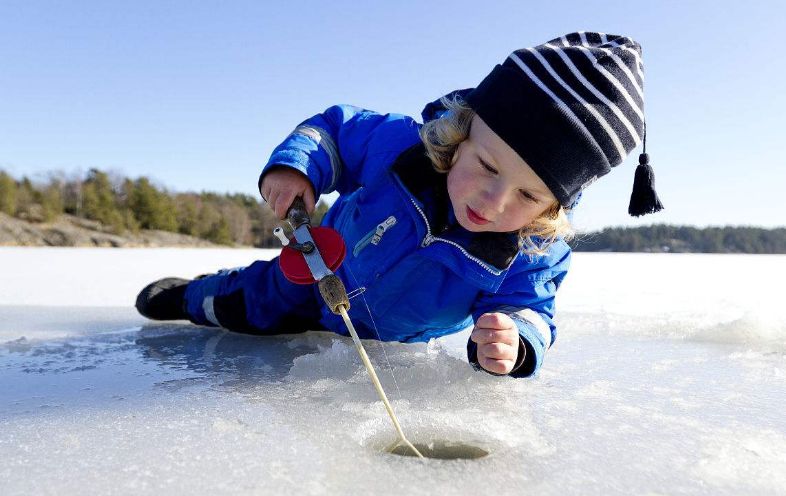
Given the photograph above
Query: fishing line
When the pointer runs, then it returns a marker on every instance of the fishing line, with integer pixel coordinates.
(359, 292)
(401, 438)
(302, 263)
(375, 380)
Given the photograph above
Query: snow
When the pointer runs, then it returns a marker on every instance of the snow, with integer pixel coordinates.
(667, 377)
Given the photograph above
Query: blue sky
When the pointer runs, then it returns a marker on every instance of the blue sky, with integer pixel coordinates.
(197, 94)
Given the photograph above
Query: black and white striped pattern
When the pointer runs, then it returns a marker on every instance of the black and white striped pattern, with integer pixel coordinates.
(573, 107)
(592, 78)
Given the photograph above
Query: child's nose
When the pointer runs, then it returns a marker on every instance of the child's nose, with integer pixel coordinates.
(496, 197)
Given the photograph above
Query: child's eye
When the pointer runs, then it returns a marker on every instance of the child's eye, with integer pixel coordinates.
(487, 166)
(528, 197)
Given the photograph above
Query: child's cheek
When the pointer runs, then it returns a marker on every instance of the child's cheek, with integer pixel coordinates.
(455, 186)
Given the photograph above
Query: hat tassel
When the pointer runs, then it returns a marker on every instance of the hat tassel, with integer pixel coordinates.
(644, 200)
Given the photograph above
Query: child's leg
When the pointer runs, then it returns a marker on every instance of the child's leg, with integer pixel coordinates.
(254, 299)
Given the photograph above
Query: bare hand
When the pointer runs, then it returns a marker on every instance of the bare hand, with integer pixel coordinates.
(498, 342)
(282, 185)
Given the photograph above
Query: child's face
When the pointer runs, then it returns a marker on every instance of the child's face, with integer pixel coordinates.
(491, 187)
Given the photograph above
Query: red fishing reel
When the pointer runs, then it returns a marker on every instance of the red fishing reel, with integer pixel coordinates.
(328, 242)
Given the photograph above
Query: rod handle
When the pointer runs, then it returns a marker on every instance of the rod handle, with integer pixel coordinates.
(334, 293)
(297, 214)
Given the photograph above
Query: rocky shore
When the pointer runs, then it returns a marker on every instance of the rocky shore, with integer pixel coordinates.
(68, 230)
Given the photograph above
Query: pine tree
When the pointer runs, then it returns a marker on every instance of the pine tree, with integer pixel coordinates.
(52, 201)
(186, 212)
(7, 194)
(219, 233)
(99, 201)
(26, 205)
(152, 209)
(124, 195)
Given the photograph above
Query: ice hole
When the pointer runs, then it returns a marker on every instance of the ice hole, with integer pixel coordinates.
(441, 449)
(437, 443)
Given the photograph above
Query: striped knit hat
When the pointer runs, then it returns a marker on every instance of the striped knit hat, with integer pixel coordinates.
(572, 108)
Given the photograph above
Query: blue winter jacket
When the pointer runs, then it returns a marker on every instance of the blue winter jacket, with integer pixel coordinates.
(418, 284)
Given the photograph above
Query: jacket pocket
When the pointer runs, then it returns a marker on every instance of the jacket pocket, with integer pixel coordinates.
(375, 235)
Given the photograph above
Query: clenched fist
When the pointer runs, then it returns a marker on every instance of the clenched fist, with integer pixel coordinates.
(282, 185)
(498, 342)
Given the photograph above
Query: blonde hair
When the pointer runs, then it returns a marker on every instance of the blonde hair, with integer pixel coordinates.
(442, 137)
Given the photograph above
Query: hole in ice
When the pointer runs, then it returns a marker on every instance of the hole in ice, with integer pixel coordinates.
(433, 440)
(441, 449)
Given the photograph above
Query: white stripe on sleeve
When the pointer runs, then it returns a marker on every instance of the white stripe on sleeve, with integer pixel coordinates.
(537, 321)
(210, 311)
(323, 139)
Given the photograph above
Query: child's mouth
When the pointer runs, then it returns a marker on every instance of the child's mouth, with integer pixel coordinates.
(475, 218)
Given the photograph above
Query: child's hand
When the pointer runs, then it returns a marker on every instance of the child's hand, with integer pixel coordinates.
(498, 342)
(282, 185)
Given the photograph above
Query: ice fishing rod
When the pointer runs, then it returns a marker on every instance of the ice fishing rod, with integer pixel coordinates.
(312, 257)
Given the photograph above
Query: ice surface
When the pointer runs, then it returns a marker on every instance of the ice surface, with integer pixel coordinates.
(668, 377)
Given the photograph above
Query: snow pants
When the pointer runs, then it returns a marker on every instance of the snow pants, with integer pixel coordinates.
(257, 299)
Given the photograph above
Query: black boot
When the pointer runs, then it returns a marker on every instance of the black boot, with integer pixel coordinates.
(164, 299)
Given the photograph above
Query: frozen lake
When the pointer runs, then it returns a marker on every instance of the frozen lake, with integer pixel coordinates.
(668, 377)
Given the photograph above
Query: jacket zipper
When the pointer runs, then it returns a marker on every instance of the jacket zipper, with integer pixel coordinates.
(431, 238)
(374, 236)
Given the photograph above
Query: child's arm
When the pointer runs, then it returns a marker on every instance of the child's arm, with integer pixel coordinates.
(526, 299)
(330, 149)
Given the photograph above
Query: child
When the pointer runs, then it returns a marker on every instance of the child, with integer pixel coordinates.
(457, 221)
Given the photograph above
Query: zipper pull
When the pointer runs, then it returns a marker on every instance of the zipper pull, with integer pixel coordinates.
(381, 228)
(427, 240)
